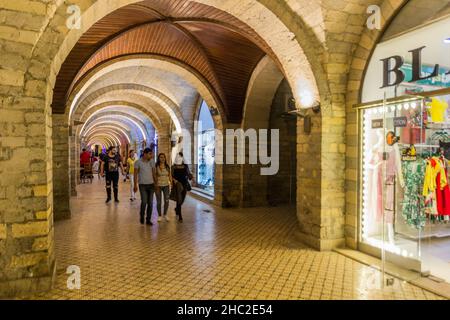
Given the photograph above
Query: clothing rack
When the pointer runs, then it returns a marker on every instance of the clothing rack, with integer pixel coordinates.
(421, 145)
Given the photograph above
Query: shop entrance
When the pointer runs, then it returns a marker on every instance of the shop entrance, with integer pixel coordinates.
(405, 200)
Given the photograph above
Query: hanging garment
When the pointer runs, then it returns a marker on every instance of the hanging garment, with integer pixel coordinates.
(437, 110)
(442, 190)
(413, 201)
(375, 192)
(393, 174)
(413, 132)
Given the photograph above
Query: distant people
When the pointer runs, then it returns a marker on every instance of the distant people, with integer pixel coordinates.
(163, 183)
(96, 166)
(110, 165)
(85, 158)
(130, 170)
(181, 176)
(144, 177)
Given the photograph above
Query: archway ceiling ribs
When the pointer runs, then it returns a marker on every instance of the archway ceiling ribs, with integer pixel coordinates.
(137, 124)
(217, 45)
(131, 131)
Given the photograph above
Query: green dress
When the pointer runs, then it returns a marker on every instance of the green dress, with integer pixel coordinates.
(413, 201)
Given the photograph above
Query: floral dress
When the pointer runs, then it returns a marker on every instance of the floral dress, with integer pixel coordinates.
(413, 201)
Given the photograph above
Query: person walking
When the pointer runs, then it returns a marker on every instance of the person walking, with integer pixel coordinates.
(130, 168)
(181, 176)
(144, 177)
(110, 164)
(163, 184)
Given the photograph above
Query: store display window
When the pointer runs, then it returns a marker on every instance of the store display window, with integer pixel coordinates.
(405, 200)
(206, 150)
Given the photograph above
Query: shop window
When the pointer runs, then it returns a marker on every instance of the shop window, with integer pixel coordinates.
(405, 199)
(205, 150)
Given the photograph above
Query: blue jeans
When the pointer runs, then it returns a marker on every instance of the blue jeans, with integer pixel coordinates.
(147, 191)
(166, 192)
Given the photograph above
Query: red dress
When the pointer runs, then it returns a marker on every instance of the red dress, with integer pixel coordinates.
(442, 194)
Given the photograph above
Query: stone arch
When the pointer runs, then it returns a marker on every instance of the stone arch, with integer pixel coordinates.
(164, 63)
(290, 55)
(113, 125)
(260, 94)
(361, 59)
(167, 105)
(32, 86)
(119, 133)
(155, 120)
(132, 121)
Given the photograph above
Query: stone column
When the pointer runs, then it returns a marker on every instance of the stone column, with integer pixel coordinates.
(73, 164)
(164, 146)
(230, 181)
(27, 261)
(61, 178)
(320, 182)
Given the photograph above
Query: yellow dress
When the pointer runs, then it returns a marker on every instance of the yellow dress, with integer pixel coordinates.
(437, 110)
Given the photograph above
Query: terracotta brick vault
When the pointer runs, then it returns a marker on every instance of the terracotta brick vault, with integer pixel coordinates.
(318, 49)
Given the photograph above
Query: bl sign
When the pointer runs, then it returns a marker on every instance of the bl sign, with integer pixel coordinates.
(398, 74)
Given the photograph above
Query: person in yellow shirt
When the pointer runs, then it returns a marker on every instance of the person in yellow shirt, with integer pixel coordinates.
(130, 165)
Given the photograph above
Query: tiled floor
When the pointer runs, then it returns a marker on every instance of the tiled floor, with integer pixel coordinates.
(215, 254)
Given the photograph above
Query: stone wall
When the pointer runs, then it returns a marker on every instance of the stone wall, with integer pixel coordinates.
(61, 172)
(281, 188)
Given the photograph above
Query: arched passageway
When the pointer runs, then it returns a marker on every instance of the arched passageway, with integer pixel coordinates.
(136, 74)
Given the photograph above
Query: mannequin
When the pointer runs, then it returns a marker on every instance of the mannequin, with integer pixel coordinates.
(386, 172)
(375, 175)
(393, 171)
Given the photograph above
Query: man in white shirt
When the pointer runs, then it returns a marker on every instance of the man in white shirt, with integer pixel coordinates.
(144, 177)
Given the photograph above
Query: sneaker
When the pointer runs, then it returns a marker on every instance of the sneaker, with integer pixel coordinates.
(159, 219)
(116, 200)
(142, 220)
(131, 199)
(149, 223)
(166, 218)
(108, 200)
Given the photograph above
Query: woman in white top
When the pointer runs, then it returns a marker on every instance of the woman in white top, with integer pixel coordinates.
(163, 183)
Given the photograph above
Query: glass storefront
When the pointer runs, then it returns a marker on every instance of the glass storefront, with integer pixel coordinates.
(404, 123)
(206, 150)
(405, 200)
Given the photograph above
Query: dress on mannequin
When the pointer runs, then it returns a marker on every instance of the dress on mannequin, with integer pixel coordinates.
(375, 175)
(393, 171)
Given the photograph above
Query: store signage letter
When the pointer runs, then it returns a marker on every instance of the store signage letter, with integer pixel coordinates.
(390, 70)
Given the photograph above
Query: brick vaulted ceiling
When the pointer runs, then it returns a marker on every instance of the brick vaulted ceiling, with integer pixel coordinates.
(217, 45)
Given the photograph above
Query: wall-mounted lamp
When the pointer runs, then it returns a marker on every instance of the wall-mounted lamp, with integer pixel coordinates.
(292, 110)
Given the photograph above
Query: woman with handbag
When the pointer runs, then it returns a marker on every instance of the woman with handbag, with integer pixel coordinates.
(163, 183)
(181, 176)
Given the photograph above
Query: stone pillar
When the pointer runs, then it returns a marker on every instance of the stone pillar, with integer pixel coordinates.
(73, 164)
(164, 146)
(230, 180)
(320, 189)
(61, 178)
(27, 261)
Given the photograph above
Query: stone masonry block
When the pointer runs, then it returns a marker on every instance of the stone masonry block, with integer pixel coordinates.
(30, 229)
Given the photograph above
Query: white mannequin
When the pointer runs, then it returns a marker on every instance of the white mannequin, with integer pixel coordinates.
(398, 164)
(375, 153)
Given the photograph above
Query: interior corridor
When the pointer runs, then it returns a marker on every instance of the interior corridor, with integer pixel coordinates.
(214, 254)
